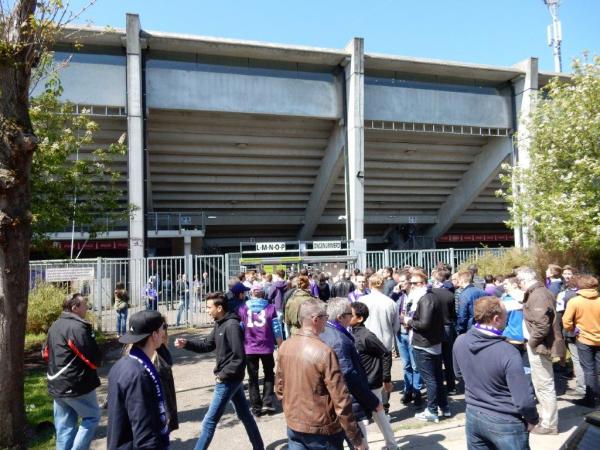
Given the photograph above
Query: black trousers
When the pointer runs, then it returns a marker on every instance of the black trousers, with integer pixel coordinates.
(253, 363)
(430, 368)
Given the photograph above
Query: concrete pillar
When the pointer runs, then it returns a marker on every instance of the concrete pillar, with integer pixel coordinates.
(135, 137)
(355, 119)
(526, 88)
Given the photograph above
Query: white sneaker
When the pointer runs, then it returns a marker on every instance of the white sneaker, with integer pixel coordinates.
(444, 413)
(427, 416)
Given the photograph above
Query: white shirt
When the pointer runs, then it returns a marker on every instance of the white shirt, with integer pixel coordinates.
(383, 320)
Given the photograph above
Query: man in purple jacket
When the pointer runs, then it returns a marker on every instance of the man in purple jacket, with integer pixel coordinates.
(276, 292)
(261, 329)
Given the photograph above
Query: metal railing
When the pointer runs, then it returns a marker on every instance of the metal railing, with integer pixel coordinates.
(175, 221)
(176, 286)
(428, 259)
(157, 221)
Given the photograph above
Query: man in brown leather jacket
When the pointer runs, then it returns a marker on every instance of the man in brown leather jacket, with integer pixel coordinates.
(316, 401)
(544, 341)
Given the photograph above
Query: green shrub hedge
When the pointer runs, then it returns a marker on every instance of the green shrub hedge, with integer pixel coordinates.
(45, 306)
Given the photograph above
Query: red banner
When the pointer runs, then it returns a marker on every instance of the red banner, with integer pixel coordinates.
(476, 237)
(111, 244)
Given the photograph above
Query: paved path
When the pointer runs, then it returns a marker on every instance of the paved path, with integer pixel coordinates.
(194, 383)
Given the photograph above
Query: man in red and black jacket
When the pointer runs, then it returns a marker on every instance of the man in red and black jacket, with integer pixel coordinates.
(73, 357)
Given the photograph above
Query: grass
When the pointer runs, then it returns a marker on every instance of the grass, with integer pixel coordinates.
(38, 405)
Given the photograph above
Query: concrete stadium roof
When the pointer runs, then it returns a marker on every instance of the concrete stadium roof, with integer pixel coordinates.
(184, 43)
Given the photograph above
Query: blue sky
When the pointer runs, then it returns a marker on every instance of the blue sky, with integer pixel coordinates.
(501, 32)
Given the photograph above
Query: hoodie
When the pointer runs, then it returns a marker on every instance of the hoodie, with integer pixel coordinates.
(583, 313)
(227, 339)
(495, 381)
(276, 292)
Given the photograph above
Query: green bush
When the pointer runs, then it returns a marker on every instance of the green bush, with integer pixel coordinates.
(501, 265)
(45, 306)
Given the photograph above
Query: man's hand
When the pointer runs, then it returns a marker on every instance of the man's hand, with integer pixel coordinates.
(388, 387)
(530, 426)
(379, 407)
(180, 342)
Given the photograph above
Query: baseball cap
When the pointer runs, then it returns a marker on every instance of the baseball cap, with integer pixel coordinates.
(141, 325)
(238, 288)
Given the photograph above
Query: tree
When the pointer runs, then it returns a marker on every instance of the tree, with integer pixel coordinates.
(27, 28)
(70, 180)
(557, 196)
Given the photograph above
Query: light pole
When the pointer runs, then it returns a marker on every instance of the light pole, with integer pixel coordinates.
(554, 33)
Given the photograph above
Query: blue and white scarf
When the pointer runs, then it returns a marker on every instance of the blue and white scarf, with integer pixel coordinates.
(139, 355)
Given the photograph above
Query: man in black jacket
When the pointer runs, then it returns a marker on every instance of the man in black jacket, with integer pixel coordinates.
(446, 297)
(343, 286)
(137, 410)
(227, 339)
(376, 360)
(427, 328)
(73, 356)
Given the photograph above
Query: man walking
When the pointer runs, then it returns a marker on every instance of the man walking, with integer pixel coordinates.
(137, 410)
(316, 402)
(500, 404)
(544, 341)
(73, 357)
(228, 341)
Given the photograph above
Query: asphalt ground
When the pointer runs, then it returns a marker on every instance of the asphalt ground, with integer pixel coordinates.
(194, 383)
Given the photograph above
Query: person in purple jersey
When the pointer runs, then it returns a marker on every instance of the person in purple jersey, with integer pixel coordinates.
(261, 330)
(361, 289)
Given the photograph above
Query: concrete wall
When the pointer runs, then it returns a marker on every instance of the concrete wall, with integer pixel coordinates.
(191, 86)
(92, 79)
(439, 104)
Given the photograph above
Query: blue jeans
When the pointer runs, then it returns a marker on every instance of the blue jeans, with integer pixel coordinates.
(303, 441)
(485, 431)
(412, 377)
(430, 366)
(67, 410)
(589, 358)
(224, 392)
(183, 307)
(122, 322)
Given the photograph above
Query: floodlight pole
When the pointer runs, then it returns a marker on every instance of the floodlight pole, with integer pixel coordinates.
(555, 33)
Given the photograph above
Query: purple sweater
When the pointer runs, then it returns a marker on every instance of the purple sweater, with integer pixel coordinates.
(261, 326)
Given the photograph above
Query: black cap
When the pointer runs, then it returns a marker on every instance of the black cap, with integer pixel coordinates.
(141, 325)
(238, 288)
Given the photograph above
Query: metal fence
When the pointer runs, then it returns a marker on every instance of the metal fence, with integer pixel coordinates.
(428, 259)
(177, 286)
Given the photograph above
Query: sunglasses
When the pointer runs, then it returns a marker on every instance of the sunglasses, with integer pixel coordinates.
(322, 316)
(164, 326)
(416, 282)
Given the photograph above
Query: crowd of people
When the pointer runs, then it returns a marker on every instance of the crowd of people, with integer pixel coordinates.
(326, 346)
